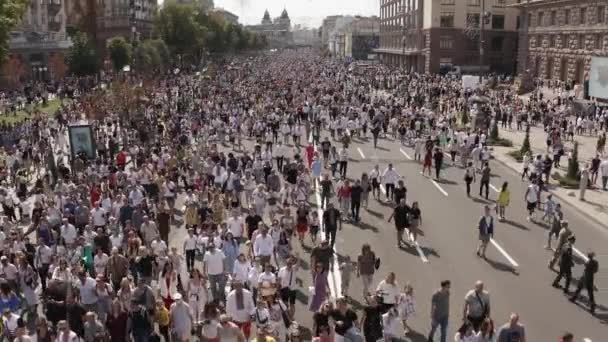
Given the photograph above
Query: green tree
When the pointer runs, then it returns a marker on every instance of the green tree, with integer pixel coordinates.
(525, 147)
(11, 12)
(573, 167)
(152, 56)
(82, 58)
(176, 24)
(120, 52)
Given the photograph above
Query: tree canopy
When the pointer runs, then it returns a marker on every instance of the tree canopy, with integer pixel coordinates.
(119, 51)
(11, 12)
(190, 29)
(82, 58)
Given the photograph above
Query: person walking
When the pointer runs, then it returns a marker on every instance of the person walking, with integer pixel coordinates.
(469, 177)
(440, 311)
(476, 305)
(502, 201)
(366, 267)
(485, 227)
(400, 214)
(485, 180)
(587, 281)
(583, 183)
(566, 262)
(438, 160)
(332, 221)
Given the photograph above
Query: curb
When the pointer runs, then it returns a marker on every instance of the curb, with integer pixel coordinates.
(565, 200)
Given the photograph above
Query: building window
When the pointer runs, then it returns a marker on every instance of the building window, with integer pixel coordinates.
(583, 16)
(530, 20)
(447, 2)
(601, 14)
(497, 43)
(474, 2)
(581, 42)
(567, 15)
(446, 42)
(552, 18)
(564, 43)
(447, 19)
(500, 3)
(551, 41)
(498, 22)
(473, 20)
(598, 42)
(541, 19)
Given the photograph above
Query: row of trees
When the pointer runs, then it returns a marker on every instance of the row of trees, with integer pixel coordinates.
(186, 32)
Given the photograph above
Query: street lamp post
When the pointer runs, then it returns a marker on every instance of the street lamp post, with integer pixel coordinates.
(482, 26)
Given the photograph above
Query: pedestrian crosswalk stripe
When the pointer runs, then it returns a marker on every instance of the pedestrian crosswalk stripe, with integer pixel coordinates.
(504, 253)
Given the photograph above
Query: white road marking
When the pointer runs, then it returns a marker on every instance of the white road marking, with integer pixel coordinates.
(420, 252)
(361, 152)
(494, 188)
(334, 279)
(405, 154)
(439, 187)
(382, 189)
(580, 254)
(586, 339)
(504, 253)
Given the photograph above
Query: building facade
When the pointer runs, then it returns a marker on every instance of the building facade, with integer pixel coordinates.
(132, 19)
(277, 32)
(562, 36)
(226, 15)
(436, 35)
(37, 47)
(353, 37)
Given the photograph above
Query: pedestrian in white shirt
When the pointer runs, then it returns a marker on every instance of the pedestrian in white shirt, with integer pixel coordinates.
(263, 246)
(240, 306)
(68, 232)
(390, 177)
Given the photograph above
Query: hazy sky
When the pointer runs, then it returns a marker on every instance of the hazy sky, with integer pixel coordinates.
(307, 12)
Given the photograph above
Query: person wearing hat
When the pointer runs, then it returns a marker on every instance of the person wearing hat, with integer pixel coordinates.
(181, 318)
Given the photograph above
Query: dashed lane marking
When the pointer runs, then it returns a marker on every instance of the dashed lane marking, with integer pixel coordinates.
(504, 253)
(420, 252)
(439, 187)
(361, 153)
(405, 154)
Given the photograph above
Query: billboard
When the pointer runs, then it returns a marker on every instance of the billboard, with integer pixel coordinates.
(598, 77)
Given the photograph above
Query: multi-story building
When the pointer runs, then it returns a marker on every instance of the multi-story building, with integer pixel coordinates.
(562, 36)
(227, 15)
(303, 36)
(277, 32)
(37, 46)
(436, 35)
(354, 37)
(132, 19)
(329, 24)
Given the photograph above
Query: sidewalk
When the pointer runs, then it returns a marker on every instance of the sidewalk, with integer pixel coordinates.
(595, 205)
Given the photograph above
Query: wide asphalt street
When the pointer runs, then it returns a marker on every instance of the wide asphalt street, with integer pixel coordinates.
(515, 273)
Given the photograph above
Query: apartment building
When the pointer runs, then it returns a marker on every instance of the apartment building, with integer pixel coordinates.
(562, 36)
(436, 35)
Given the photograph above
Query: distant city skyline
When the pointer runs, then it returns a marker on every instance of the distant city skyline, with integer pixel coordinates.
(308, 13)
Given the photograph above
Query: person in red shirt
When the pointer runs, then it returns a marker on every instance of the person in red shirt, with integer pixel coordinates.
(95, 194)
(344, 195)
(310, 154)
(121, 159)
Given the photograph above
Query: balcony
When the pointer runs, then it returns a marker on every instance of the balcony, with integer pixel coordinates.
(53, 7)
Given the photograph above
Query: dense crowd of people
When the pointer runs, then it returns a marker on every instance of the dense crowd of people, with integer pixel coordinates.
(92, 249)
